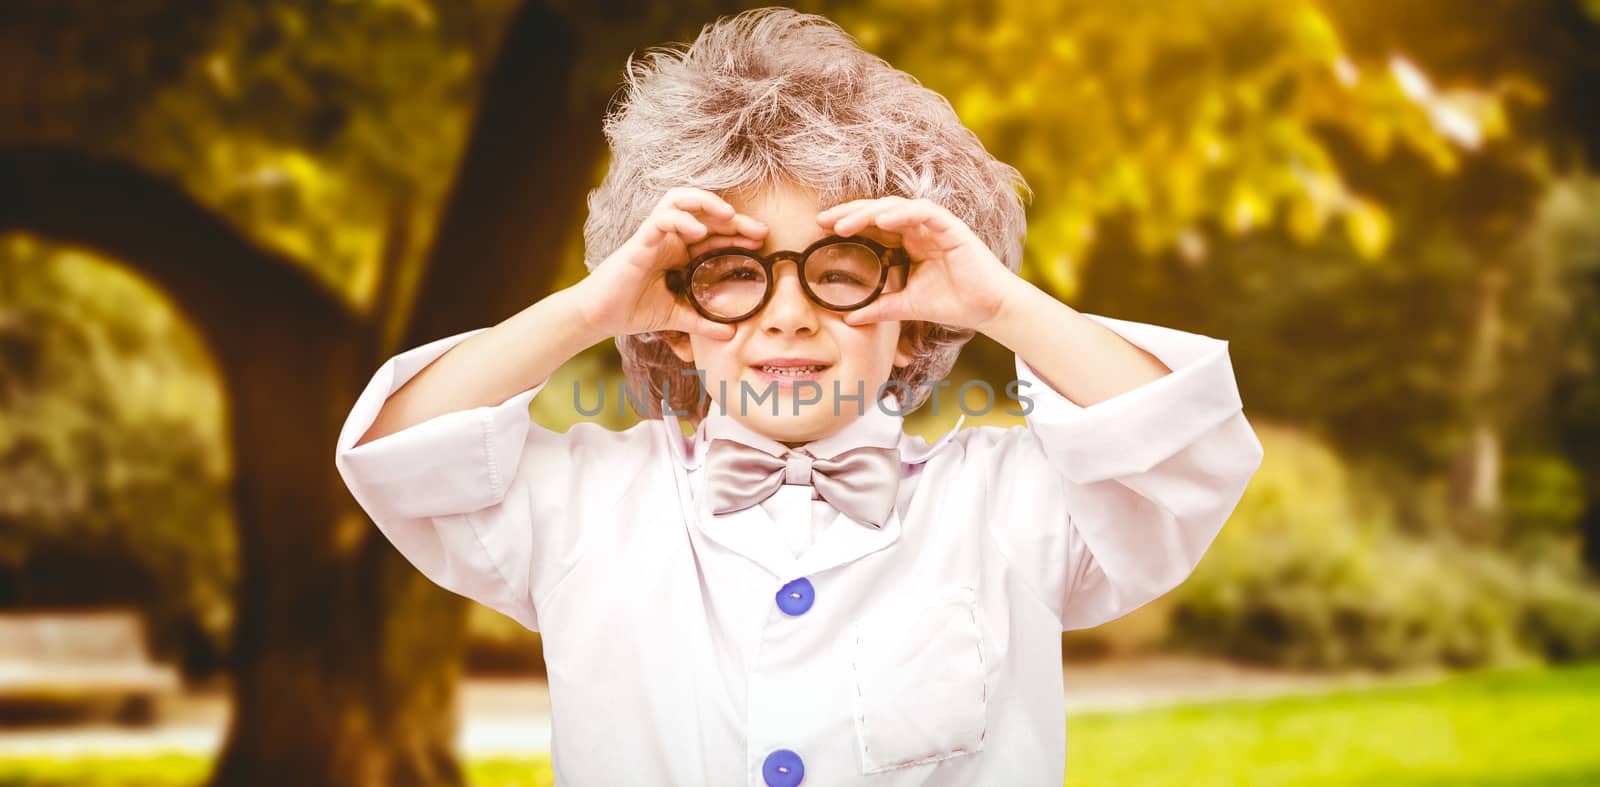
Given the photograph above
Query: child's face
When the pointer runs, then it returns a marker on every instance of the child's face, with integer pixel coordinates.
(858, 357)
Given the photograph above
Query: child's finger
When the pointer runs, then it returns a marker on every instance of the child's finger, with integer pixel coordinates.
(722, 241)
(892, 217)
(692, 199)
(752, 226)
(867, 230)
(828, 216)
(674, 222)
(860, 218)
(886, 237)
(718, 214)
(738, 225)
(732, 223)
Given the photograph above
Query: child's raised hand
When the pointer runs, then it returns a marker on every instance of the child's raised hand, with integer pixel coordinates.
(627, 292)
(955, 279)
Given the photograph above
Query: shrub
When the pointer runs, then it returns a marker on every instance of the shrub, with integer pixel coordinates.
(1307, 573)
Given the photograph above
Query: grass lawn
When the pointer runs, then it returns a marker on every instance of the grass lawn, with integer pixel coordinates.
(1494, 729)
(173, 770)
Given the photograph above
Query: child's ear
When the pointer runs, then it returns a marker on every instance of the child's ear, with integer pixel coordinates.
(679, 342)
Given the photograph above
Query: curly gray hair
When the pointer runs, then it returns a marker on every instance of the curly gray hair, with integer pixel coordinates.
(772, 95)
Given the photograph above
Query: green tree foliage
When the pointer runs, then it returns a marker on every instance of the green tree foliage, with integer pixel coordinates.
(1190, 160)
(1184, 116)
(313, 126)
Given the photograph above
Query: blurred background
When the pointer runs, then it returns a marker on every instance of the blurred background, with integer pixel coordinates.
(218, 218)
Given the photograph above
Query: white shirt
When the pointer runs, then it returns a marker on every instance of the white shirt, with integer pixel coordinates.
(689, 648)
(799, 524)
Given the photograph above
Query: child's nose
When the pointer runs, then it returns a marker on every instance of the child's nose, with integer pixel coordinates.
(789, 309)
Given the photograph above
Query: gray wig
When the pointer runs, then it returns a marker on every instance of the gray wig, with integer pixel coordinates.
(775, 95)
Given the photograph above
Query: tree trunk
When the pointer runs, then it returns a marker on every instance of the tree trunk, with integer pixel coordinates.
(1589, 525)
(1476, 482)
(352, 630)
(362, 637)
(346, 658)
(520, 189)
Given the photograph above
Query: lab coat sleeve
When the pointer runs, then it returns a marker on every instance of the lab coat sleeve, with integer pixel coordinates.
(482, 501)
(1105, 508)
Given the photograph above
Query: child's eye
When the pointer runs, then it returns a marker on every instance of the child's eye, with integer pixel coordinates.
(740, 274)
(838, 277)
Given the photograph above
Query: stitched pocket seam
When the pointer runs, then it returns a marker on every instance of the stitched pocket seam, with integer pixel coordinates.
(860, 719)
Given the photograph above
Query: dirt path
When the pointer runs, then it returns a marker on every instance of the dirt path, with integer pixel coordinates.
(512, 717)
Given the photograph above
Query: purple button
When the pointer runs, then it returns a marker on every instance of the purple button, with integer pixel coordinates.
(783, 768)
(796, 597)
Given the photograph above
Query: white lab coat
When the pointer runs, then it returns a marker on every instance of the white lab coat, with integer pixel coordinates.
(928, 651)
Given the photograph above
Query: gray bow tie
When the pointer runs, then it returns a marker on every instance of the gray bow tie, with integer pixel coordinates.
(860, 482)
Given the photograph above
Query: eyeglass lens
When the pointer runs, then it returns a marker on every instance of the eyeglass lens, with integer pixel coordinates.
(840, 275)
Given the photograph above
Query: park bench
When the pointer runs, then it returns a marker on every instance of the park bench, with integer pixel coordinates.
(95, 658)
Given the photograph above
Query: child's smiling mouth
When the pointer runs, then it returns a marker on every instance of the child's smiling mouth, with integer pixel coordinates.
(789, 370)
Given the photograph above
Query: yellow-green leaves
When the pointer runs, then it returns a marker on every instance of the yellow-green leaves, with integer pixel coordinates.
(1184, 116)
(1368, 228)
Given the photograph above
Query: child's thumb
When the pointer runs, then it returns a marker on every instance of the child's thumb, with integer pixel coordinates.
(716, 330)
(866, 314)
(712, 330)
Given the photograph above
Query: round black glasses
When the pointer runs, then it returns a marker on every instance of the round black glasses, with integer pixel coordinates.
(841, 274)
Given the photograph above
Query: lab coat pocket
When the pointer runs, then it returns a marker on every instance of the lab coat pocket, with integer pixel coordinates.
(920, 681)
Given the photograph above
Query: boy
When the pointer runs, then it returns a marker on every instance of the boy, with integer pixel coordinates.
(800, 592)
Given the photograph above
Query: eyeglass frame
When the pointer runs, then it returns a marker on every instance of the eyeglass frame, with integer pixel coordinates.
(889, 257)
